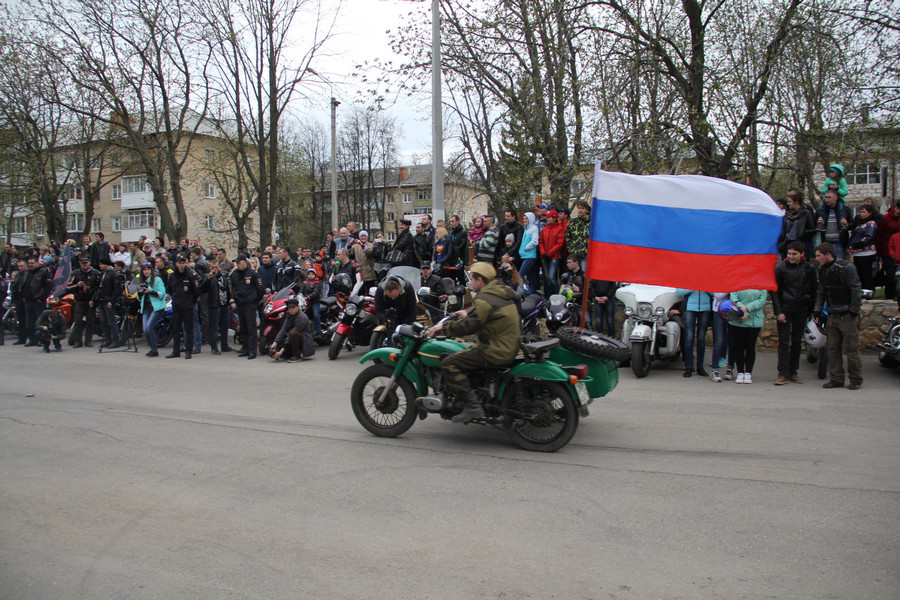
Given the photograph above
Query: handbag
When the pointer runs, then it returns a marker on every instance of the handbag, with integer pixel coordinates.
(395, 257)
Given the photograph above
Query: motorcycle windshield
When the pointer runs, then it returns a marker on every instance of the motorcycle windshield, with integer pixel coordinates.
(282, 295)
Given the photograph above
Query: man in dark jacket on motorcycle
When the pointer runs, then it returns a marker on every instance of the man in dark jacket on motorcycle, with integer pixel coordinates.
(839, 286)
(396, 293)
(83, 285)
(494, 320)
(287, 271)
(184, 287)
(436, 293)
(792, 302)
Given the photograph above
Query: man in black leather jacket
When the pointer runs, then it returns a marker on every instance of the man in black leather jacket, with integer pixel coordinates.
(184, 287)
(397, 293)
(246, 291)
(839, 286)
(83, 285)
(792, 302)
(217, 288)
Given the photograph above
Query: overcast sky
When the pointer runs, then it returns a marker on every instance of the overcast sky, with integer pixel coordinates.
(360, 35)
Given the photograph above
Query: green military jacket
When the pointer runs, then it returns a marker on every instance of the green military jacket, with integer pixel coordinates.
(494, 319)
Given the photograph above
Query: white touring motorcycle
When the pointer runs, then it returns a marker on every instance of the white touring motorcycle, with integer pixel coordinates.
(648, 329)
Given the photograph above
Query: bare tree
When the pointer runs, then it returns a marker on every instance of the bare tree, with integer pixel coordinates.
(258, 81)
(147, 61)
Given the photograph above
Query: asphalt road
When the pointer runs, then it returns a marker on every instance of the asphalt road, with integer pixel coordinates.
(219, 478)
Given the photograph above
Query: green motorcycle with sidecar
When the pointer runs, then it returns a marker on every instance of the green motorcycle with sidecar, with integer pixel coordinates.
(538, 399)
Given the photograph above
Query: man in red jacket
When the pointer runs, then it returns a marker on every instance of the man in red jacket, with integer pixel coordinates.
(550, 247)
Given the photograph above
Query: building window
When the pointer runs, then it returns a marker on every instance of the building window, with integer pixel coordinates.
(391, 236)
(864, 173)
(75, 222)
(209, 221)
(248, 224)
(73, 193)
(407, 198)
(210, 189)
(95, 224)
(140, 219)
(421, 210)
(20, 225)
(117, 223)
(389, 216)
(389, 199)
(423, 195)
(209, 156)
(134, 185)
(117, 191)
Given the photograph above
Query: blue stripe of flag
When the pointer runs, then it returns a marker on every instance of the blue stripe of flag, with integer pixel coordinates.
(694, 231)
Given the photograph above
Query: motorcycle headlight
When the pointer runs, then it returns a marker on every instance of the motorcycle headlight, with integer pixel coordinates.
(351, 309)
(644, 310)
(451, 299)
(267, 310)
(660, 311)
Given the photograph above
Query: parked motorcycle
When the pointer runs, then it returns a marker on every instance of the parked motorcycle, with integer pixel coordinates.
(889, 348)
(562, 309)
(356, 324)
(10, 319)
(538, 400)
(274, 311)
(62, 301)
(530, 312)
(649, 329)
(331, 307)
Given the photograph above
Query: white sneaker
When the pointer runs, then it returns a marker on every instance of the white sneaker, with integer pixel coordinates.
(729, 375)
(739, 378)
(747, 378)
(714, 376)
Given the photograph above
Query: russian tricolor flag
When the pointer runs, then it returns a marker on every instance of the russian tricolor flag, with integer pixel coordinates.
(685, 231)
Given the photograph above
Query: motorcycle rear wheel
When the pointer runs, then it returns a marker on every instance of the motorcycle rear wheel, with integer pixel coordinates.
(640, 358)
(337, 342)
(390, 418)
(555, 420)
(378, 340)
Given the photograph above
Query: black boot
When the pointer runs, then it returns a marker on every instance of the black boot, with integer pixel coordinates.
(473, 409)
(173, 354)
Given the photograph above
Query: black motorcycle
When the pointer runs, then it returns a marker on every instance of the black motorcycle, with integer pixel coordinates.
(355, 326)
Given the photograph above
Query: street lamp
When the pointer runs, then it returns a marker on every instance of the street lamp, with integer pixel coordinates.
(437, 133)
(334, 200)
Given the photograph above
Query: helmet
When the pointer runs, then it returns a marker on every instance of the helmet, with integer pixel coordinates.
(814, 335)
(729, 310)
(343, 283)
(484, 269)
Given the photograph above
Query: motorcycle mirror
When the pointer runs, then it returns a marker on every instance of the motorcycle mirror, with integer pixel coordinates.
(424, 291)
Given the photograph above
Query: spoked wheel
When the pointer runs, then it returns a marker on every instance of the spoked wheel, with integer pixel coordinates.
(337, 342)
(552, 416)
(391, 416)
(640, 358)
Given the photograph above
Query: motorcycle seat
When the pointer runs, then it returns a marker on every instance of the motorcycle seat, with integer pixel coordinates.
(537, 350)
(328, 301)
(529, 304)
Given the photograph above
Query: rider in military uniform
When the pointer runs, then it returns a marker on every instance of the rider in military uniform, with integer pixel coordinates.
(494, 320)
(83, 285)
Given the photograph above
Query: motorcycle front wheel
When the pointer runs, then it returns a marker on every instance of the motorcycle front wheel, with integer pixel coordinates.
(163, 337)
(552, 416)
(337, 342)
(640, 358)
(393, 415)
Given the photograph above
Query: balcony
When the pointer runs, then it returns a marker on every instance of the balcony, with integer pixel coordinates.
(139, 200)
(133, 235)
